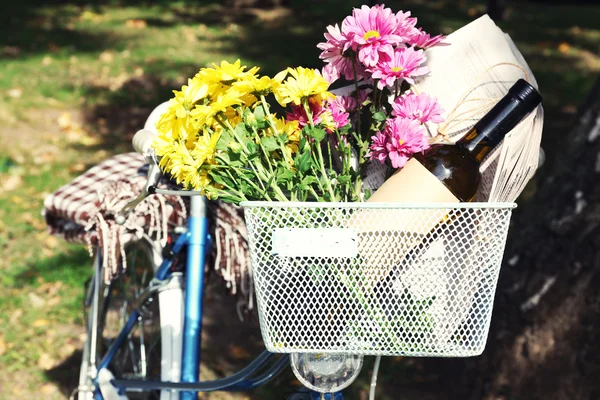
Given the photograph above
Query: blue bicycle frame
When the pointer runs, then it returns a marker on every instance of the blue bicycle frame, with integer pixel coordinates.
(197, 241)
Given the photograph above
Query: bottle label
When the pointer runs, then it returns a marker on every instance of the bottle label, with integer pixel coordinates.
(388, 235)
(413, 184)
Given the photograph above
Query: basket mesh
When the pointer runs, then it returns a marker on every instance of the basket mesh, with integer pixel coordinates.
(376, 279)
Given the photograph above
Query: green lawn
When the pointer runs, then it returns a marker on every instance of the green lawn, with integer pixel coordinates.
(76, 81)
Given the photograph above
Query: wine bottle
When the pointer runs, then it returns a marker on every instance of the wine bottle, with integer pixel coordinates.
(455, 167)
(446, 173)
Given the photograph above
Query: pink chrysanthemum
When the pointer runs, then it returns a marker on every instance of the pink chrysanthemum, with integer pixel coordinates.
(349, 102)
(405, 64)
(400, 139)
(422, 39)
(378, 149)
(406, 25)
(333, 54)
(371, 32)
(340, 116)
(328, 116)
(299, 114)
(422, 108)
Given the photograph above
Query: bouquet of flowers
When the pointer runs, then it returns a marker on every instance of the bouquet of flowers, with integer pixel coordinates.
(239, 136)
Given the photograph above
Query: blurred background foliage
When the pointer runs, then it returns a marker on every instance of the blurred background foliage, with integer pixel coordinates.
(78, 78)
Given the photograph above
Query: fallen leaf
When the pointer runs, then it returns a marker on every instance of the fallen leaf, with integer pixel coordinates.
(15, 316)
(53, 47)
(67, 349)
(2, 346)
(107, 56)
(88, 15)
(53, 301)
(46, 61)
(45, 361)
(11, 183)
(77, 167)
(64, 121)
(38, 323)
(15, 93)
(16, 200)
(136, 23)
(36, 302)
(564, 47)
(35, 222)
(576, 30)
(48, 388)
(51, 241)
(10, 51)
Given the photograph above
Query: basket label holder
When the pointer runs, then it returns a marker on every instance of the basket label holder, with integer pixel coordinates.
(315, 242)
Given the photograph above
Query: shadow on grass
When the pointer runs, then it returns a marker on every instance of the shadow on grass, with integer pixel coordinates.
(72, 267)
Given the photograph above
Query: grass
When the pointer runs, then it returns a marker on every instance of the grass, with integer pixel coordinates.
(76, 81)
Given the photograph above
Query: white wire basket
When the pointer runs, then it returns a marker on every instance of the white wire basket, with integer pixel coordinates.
(376, 278)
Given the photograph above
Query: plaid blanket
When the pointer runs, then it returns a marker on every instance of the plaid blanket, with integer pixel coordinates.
(83, 212)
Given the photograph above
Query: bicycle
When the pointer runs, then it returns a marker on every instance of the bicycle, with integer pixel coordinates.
(164, 299)
(161, 295)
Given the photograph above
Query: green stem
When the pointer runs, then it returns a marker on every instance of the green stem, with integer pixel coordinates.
(321, 161)
(267, 156)
(263, 103)
(324, 172)
(358, 105)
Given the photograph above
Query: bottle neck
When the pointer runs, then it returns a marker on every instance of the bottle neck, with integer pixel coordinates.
(489, 132)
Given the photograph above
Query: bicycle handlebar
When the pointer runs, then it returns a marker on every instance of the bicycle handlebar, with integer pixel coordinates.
(142, 142)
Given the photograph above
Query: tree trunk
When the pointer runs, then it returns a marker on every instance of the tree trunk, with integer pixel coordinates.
(544, 341)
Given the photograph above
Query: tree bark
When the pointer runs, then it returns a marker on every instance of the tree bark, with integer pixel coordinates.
(544, 341)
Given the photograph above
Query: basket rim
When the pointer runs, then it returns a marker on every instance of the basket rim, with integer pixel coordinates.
(386, 205)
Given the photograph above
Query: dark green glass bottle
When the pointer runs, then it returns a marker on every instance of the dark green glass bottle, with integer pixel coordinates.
(457, 166)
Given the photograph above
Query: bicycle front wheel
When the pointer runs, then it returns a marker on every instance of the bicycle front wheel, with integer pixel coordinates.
(152, 350)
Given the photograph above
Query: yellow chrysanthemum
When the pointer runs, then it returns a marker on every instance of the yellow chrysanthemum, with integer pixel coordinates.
(299, 84)
(227, 99)
(203, 115)
(178, 122)
(205, 147)
(226, 73)
(257, 86)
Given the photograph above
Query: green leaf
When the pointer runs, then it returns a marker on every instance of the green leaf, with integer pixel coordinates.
(283, 138)
(259, 113)
(225, 157)
(307, 181)
(224, 140)
(269, 143)
(217, 178)
(284, 175)
(343, 178)
(302, 145)
(379, 116)
(303, 162)
(252, 149)
(316, 133)
(241, 132)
